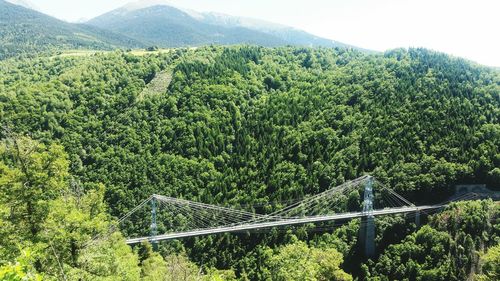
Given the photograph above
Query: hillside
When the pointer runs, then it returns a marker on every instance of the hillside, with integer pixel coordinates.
(290, 35)
(24, 3)
(25, 31)
(138, 25)
(160, 24)
(248, 126)
(167, 26)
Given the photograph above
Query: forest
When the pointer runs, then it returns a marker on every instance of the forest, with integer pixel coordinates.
(28, 33)
(85, 139)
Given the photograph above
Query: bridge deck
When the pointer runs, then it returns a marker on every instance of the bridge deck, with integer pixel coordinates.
(283, 222)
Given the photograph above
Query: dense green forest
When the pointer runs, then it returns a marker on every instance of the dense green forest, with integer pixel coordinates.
(85, 139)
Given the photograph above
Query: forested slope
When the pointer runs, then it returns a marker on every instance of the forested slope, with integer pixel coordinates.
(246, 126)
(257, 120)
(27, 32)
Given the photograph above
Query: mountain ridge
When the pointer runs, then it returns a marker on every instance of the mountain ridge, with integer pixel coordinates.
(168, 26)
(24, 30)
(290, 34)
(148, 20)
(24, 3)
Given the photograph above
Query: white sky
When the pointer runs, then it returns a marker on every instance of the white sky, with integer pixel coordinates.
(469, 29)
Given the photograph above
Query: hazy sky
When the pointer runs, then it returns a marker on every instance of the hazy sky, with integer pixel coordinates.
(469, 29)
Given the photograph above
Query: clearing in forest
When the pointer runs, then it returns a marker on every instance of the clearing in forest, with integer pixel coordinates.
(158, 85)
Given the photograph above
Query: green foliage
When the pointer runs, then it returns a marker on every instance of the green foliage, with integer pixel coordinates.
(243, 126)
(21, 270)
(490, 263)
(424, 255)
(180, 268)
(42, 211)
(258, 124)
(109, 259)
(220, 275)
(31, 175)
(154, 268)
(298, 261)
(475, 219)
(73, 221)
(446, 252)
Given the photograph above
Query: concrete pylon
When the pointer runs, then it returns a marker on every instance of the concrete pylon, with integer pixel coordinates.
(154, 226)
(417, 219)
(367, 228)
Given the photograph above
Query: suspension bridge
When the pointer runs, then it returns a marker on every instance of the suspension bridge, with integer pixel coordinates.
(364, 197)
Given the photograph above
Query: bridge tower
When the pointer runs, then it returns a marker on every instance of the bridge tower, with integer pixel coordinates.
(154, 226)
(367, 228)
(417, 219)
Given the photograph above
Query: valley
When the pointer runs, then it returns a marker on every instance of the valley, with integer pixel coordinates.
(247, 126)
(158, 143)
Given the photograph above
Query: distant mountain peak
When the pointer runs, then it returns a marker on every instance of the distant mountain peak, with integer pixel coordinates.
(157, 22)
(224, 19)
(143, 4)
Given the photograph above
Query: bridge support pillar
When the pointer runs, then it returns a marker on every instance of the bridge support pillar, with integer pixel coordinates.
(367, 227)
(154, 227)
(417, 219)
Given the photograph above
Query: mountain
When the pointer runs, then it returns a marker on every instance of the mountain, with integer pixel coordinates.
(24, 3)
(24, 30)
(167, 26)
(288, 34)
(157, 23)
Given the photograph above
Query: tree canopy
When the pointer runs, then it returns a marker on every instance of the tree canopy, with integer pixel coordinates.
(87, 138)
